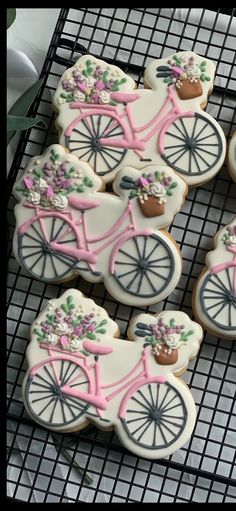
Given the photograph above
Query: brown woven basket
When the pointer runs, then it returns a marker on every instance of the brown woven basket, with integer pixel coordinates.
(151, 207)
(189, 90)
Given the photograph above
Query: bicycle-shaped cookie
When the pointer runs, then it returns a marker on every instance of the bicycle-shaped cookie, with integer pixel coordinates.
(151, 409)
(215, 301)
(188, 140)
(102, 236)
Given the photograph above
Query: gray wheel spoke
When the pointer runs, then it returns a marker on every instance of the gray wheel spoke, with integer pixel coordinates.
(127, 273)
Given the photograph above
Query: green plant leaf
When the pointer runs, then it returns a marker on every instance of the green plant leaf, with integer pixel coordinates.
(23, 103)
(91, 336)
(38, 332)
(103, 322)
(11, 16)
(80, 189)
(18, 123)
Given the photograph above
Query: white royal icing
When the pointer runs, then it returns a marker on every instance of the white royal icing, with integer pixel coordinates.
(125, 121)
(215, 290)
(122, 387)
(232, 157)
(111, 225)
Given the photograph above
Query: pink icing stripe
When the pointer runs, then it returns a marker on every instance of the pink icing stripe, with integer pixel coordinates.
(77, 105)
(69, 358)
(78, 203)
(77, 253)
(43, 214)
(122, 97)
(166, 126)
(110, 231)
(110, 242)
(124, 402)
(95, 400)
(125, 237)
(96, 111)
(121, 380)
(223, 266)
(97, 349)
(152, 121)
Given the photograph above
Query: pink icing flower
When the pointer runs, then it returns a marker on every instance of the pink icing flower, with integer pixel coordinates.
(94, 98)
(100, 85)
(64, 341)
(90, 328)
(142, 182)
(177, 71)
(81, 86)
(28, 183)
(49, 192)
(78, 330)
(66, 183)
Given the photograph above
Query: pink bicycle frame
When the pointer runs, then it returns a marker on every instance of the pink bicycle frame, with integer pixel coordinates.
(228, 264)
(131, 140)
(94, 395)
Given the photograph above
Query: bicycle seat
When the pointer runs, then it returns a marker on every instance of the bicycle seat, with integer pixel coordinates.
(121, 97)
(97, 349)
(82, 203)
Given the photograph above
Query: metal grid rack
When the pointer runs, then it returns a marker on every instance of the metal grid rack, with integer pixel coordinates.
(92, 466)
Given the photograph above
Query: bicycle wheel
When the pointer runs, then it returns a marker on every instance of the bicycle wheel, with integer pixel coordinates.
(36, 254)
(84, 141)
(44, 396)
(144, 265)
(156, 415)
(218, 298)
(192, 145)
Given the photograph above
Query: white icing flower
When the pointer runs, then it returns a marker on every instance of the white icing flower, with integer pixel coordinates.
(62, 328)
(192, 71)
(34, 197)
(61, 101)
(75, 344)
(104, 96)
(157, 190)
(172, 341)
(232, 240)
(42, 184)
(79, 96)
(52, 339)
(59, 202)
(90, 81)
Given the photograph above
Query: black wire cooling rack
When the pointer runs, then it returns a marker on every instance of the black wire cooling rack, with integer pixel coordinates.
(92, 466)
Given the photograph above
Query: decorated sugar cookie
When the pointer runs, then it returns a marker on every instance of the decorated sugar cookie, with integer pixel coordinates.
(66, 227)
(78, 372)
(214, 299)
(106, 122)
(232, 157)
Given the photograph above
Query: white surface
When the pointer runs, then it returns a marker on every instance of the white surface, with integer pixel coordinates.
(27, 42)
(31, 33)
